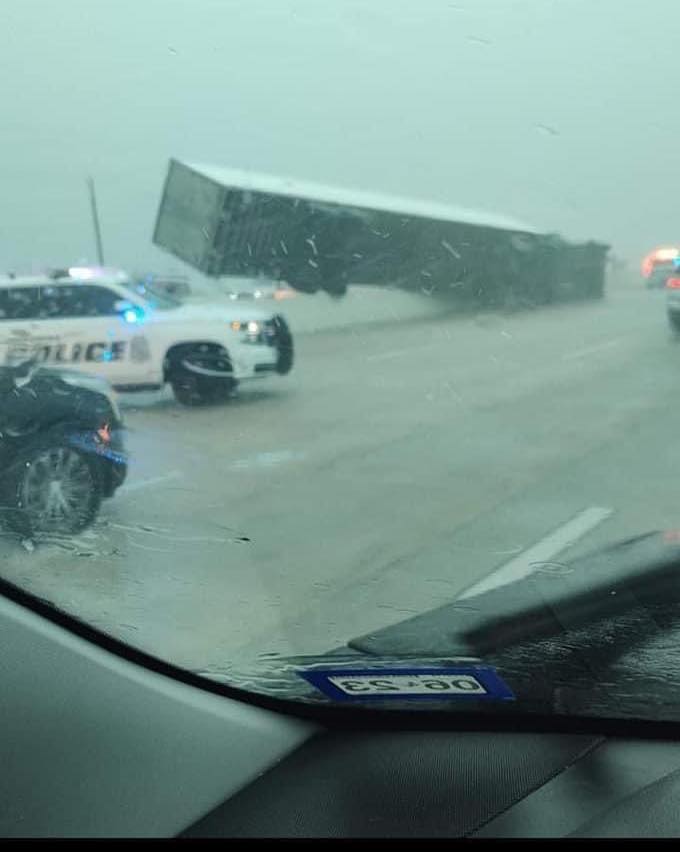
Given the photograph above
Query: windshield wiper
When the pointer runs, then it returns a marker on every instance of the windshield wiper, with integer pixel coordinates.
(560, 638)
(558, 598)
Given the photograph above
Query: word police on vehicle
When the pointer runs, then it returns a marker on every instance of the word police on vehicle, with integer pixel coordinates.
(98, 321)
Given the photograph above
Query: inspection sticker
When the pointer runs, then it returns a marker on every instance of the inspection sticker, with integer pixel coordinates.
(440, 683)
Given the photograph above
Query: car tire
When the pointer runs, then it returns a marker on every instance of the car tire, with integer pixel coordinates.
(192, 390)
(201, 375)
(52, 489)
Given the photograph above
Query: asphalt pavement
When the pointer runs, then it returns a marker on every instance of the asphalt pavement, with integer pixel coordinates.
(398, 464)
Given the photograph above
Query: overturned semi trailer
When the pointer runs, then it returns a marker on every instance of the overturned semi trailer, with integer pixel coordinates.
(224, 222)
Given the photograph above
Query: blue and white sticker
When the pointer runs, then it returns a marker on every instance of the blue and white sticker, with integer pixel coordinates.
(440, 683)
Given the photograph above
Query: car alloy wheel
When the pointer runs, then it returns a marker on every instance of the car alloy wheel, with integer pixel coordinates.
(57, 491)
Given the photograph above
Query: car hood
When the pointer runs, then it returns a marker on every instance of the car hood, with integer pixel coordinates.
(46, 397)
(78, 379)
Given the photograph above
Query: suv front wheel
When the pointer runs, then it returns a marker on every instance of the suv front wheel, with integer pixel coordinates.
(200, 374)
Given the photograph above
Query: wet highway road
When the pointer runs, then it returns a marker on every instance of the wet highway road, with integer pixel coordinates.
(394, 468)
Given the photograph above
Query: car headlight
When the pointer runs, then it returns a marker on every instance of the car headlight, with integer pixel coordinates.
(251, 330)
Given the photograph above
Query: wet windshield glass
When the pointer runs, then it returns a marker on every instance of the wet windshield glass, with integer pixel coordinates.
(426, 361)
(156, 299)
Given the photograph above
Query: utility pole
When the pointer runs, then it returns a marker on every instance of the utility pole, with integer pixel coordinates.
(95, 221)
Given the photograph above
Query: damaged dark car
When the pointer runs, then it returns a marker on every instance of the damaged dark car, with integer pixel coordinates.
(61, 449)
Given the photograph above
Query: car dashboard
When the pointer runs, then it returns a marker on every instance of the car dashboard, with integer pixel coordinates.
(100, 740)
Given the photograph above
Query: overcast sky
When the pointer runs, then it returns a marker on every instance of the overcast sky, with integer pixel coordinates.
(557, 112)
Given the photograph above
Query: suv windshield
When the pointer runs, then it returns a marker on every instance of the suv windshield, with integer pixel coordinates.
(156, 299)
(422, 382)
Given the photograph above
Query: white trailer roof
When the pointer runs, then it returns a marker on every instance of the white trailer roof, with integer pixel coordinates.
(259, 182)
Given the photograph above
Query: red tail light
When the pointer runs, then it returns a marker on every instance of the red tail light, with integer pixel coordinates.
(104, 434)
(673, 283)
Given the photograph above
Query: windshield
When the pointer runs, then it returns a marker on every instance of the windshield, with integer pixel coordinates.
(156, 299)
(428, 364)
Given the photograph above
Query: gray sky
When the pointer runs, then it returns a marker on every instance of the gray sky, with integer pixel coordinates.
(558, 112)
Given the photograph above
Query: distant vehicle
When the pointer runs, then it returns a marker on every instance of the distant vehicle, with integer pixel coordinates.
(175, 286)
(657, 266)
(250, 289)
(673, 297)
(61, 449)
(99, 322)
(179, 288)
(660, 275)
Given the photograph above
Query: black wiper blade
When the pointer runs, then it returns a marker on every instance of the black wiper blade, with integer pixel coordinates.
(556, 599)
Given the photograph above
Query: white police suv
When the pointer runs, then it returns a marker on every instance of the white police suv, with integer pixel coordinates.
(98, 321)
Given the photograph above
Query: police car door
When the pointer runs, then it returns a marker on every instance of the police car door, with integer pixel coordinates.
(18, 312)
(83, 328)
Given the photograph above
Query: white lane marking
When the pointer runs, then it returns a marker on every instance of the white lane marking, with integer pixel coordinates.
(154, 480)
(591, 350)
(266, 459)
(394, 353)
(412, 350)
(543, 551)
